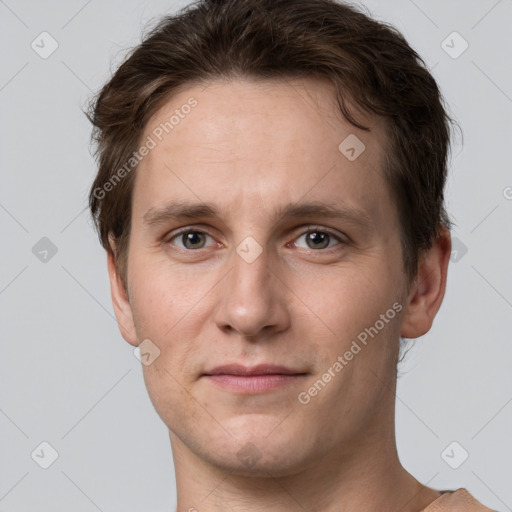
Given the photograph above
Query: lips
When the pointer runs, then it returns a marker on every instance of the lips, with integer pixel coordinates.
(253, 380)
(261, 369)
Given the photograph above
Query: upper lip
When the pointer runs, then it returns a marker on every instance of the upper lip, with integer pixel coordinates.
(260, 369)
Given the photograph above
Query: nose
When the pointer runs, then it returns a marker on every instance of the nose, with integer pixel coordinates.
(252, 298)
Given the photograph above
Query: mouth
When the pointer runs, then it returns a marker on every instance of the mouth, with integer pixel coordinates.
(258, 379)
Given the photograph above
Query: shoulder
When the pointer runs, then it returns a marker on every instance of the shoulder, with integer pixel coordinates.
(456, 501)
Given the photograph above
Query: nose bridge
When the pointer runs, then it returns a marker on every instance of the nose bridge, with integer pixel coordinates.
(250, 265)
(250, 299)
(250, 280)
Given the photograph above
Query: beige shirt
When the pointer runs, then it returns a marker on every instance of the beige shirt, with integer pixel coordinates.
(456, 501)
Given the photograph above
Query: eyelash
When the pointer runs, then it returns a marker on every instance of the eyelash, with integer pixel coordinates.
(310, 229)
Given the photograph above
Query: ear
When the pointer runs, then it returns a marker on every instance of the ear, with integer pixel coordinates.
(427, 292)
(120, 301)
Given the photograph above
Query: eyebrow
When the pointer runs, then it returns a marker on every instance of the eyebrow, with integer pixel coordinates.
(185, 210)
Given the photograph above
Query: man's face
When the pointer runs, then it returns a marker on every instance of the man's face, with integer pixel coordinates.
(251, 285)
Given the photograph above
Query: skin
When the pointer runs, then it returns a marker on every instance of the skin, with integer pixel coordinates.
(251, 147)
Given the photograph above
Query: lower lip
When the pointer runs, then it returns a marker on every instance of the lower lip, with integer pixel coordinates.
(248, 384)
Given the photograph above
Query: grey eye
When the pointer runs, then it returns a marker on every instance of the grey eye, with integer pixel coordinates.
(190, 239)
(317, 239)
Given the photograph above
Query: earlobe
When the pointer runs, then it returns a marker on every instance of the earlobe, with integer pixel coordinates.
(428, 290)
(120, 301)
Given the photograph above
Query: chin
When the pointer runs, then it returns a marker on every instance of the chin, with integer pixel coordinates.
(250, 460)
(258, 448)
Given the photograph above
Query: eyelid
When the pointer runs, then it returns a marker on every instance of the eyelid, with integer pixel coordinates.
(186, 229)
(341, 237)
(316, 227)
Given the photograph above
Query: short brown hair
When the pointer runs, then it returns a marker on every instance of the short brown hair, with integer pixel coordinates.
(367, 61)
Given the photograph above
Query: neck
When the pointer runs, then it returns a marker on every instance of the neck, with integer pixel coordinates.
(368, 476)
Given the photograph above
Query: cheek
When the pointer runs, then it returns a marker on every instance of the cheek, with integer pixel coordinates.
(349, 299)
(163, 295)
(171, 397)
(362, 310)
(361, 307)
(170, 308)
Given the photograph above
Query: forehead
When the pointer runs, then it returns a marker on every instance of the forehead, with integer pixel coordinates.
(268, 142)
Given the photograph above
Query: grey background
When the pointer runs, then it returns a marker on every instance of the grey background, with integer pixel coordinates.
(67, 376)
